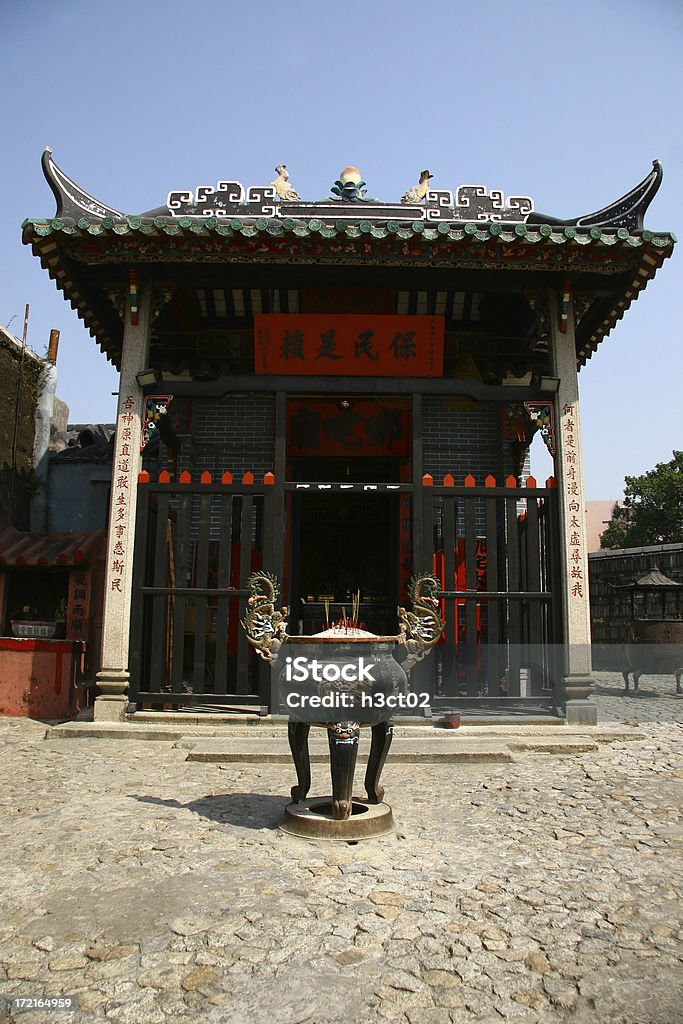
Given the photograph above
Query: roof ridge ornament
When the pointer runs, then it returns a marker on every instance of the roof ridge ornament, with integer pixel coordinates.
(467, 204)
(72, 200)
(627, 212)
(350, 187)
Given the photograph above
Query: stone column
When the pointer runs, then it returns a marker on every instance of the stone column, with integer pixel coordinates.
(112, 679)
(577, 679)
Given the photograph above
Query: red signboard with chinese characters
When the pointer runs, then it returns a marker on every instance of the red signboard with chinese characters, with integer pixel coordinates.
(348, 345)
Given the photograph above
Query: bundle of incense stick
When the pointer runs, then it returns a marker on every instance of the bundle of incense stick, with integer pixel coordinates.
(346, 623)
(327, 613)
(355, 609)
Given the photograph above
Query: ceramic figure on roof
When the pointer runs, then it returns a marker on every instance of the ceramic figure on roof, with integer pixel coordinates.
(415, 195)
(283, 189)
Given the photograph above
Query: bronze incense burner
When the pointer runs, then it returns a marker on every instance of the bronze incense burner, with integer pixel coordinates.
(353, 676)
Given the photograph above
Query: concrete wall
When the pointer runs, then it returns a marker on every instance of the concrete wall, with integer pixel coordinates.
(36, 678)
(78, 496)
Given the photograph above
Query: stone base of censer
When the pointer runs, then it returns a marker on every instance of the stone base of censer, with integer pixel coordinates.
(314, 819)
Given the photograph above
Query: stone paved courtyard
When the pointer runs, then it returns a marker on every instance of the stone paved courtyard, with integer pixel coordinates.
(153, 889)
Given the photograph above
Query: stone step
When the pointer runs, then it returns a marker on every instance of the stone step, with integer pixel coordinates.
(251, 720)
(188, 736)
(406, 750)
(271, 751)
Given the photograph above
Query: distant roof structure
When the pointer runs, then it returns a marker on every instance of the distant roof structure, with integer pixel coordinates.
(87, 442)
(40, 550)
(88, 248)
(652, 580)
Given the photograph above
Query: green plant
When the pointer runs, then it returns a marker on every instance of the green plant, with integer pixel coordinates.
(32, 483)
(652, 509)
(26, 613)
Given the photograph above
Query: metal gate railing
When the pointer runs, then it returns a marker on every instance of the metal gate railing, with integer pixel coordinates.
(196, 544)
(495, 551)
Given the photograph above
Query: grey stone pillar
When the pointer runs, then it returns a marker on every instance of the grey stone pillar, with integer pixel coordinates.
(112, 679)
(577, 679)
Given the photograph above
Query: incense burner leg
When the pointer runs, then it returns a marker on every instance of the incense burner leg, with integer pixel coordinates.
(382, 735)
(298, 744)
(343, 740)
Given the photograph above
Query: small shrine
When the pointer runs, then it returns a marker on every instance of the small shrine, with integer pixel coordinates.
(342, 392)
(654, 631)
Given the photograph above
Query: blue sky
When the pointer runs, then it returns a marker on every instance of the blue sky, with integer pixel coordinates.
(566, 102)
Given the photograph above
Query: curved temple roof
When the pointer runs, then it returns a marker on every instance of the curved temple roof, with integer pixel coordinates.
(470, 228)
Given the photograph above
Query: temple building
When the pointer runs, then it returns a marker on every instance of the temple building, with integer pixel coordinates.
(343, 393)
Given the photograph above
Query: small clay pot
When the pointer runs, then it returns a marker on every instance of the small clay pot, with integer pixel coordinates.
(451, 720)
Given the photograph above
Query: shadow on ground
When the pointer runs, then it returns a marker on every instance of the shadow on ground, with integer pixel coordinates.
(245, 810)
(643, 691)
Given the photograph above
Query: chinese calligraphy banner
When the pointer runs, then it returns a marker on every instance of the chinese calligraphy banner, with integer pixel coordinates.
(321, 427)
(348, 345)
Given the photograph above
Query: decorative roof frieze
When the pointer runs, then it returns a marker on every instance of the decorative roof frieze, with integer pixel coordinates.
(229, 199)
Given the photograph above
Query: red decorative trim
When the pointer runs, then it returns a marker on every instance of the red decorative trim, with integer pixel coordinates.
(27, 644)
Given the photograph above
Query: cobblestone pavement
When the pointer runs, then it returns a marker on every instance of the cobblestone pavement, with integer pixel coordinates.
(656, 700)
(152, 889)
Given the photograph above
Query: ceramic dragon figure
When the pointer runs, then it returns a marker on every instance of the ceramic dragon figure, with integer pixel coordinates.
(265, 627)
(420, 628)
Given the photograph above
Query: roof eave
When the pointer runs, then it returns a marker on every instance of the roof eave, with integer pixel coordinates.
(444, 245)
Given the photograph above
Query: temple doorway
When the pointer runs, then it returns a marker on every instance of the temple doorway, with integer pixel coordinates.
(345, 551)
